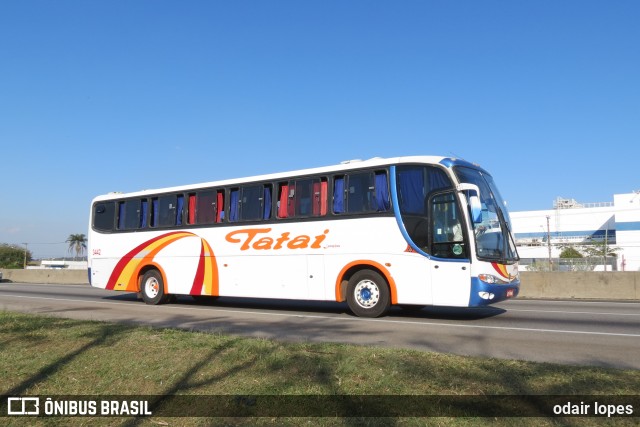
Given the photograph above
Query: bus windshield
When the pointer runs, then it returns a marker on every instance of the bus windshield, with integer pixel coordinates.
(492, 231)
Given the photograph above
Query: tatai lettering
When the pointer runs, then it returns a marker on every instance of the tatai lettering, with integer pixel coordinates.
(258, 239)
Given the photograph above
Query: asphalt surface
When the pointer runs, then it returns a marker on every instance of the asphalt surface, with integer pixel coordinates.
(592, 333)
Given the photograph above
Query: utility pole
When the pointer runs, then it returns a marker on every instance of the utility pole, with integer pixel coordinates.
(25, 255)
(606, 240)
(549, 243)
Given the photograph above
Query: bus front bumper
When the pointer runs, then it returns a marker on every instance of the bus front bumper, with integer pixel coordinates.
(483, 293)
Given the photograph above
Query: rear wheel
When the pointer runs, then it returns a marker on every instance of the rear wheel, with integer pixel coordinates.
(152, 288)
(368, 294)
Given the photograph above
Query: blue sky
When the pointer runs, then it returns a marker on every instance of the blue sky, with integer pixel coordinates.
(99, 96)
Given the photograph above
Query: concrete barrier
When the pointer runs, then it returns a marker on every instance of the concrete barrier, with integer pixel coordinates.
(57, 277)
(617, 285)
(614, 285)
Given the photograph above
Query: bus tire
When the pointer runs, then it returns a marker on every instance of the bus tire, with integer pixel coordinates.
(152, 288)
(368, 294)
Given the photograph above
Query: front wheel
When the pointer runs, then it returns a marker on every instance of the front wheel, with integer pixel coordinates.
(152, 288)
(368, 294)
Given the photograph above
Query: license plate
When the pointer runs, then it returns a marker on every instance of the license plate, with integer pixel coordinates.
(509, 293)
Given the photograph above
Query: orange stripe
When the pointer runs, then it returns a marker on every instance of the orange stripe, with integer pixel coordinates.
(382, 269)
(501, 269)
(125, 276)
(128, 278)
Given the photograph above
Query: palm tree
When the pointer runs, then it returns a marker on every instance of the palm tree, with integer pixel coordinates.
(77, 243)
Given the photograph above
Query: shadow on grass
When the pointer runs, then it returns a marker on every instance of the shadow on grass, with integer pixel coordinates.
(102, 335)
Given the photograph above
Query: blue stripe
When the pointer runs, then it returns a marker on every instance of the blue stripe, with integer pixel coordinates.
(628, 226)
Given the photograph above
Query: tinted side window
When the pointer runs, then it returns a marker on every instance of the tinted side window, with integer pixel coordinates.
(104, 216)
(206, 208)
(164, 210)
(360, 192)
(302, 198)
(251, 203)
(129, 215)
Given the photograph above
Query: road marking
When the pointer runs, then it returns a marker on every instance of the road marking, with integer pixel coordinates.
(546, 301)
(574, 312)
(315, 316)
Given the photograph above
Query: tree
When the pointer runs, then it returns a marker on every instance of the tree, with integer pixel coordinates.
(570, 252)
(77, 243)
(12, 256)
(598, 249)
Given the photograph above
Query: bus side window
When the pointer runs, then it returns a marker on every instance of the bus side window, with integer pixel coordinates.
(320, 197)
(360, 192)
(129, 214)
(205, 209)
(251, 203)
(104, 214)
(304, 204)
(166, 211)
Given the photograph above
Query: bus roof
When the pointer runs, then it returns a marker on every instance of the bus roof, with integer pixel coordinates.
(343, 166)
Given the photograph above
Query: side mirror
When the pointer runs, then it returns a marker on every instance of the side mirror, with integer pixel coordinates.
(473, 196)
(476, 209)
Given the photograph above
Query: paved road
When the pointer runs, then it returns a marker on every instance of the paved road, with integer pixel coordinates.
(567, 332)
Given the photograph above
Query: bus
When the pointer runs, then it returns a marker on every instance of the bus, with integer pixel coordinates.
(406, 231)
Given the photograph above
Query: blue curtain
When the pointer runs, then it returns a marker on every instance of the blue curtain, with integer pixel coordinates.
(156, 213)
(180, 208)
(233, 206)
(143, 214)
(437, 179)
(338, 195)
(411, 188)
(382, 192)
(267, 203)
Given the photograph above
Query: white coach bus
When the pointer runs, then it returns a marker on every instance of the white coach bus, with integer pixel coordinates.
(418, 230)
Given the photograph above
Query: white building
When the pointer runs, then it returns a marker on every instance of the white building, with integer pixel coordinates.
(59, 264)
(617, 223)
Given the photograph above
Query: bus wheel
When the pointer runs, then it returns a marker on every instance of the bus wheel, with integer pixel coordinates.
(368, 294)
(152, 288)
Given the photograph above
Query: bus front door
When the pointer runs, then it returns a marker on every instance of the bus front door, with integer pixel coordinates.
(448, 245)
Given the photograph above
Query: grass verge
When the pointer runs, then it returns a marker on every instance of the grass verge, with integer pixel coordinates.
(52, 356)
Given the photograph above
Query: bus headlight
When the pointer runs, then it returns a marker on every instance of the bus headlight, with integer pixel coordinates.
(491, 279)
